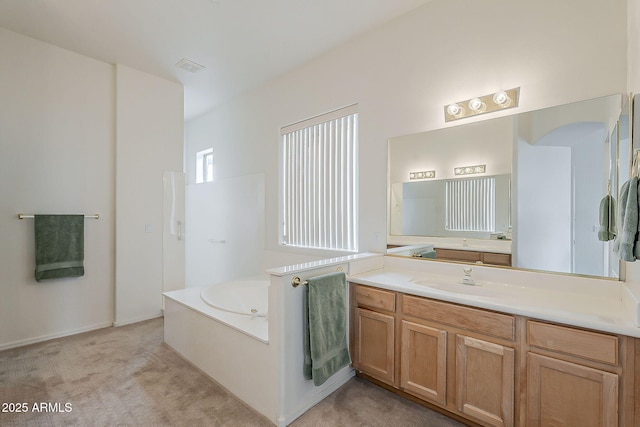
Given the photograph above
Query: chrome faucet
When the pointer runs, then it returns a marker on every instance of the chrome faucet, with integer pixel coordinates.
(467, 279)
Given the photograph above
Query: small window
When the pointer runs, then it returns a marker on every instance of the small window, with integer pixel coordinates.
(204, 166)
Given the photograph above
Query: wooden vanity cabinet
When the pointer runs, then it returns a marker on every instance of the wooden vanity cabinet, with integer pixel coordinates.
(373, 336)
(573, 376)
(495, 369)
(460, 358)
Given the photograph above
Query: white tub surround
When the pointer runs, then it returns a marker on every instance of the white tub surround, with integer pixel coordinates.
(241, 363)
(254, 327)
(296, 395)
(260, 359)
(592, 303)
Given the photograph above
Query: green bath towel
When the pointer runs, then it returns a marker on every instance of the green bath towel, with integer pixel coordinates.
(59, 246)
(325, 327)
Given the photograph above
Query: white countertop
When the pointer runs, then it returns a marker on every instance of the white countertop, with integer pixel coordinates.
(601, 308)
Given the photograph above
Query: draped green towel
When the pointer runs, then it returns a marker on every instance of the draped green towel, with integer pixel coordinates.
(59, 246)
(325, 327)
(607, 229)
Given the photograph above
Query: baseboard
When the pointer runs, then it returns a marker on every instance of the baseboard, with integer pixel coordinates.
(138, 319)
(41, 338)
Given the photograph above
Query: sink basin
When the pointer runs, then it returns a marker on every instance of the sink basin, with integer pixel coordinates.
(458, 288)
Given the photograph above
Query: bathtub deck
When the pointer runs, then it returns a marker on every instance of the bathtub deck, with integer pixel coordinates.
(257, 328)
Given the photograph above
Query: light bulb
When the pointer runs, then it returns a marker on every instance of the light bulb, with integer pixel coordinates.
(454, 110)
(501, 98)
(476, 105)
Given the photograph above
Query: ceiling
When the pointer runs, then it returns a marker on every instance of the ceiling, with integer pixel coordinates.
(242, 43)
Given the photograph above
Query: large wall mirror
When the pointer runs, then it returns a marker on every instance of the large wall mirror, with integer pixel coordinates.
(524, 191)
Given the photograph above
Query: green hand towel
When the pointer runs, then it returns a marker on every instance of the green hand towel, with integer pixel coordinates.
(325, 327)
(59, 246)
(607, 229)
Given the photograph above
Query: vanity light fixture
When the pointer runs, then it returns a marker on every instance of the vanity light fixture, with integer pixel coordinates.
(500, 100)
(422, 175)
(470, 170)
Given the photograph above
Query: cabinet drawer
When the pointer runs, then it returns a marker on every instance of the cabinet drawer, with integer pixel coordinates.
(496, 259)
(457, 255)
(375, 298)
(576, 342)
(472, 319)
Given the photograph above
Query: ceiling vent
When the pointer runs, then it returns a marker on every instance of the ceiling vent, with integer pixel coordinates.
(190, 66)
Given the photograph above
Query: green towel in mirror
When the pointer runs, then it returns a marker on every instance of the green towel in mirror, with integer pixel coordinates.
(325, 327)
(59, 246)
(607, 230)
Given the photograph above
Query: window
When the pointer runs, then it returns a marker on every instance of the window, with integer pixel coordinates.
(471, 204)
(319, 190)
(204, 166)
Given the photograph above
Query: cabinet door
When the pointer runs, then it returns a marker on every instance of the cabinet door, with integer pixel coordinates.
(375, 354)
(561, 393)
(423, 366)
(485, 378)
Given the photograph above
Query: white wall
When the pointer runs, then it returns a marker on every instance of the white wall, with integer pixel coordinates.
(215, 252)
(57, 133)
(149, 141)
(542, 239)
(403, 73)
(58, 142)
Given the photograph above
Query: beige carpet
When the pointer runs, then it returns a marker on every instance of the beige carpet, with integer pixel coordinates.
(127, 376)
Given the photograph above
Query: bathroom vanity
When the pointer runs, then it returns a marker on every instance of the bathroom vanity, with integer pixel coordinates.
(498, 354)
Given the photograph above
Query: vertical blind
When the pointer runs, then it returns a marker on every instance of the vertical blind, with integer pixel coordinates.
(320, 181)
(471, 204)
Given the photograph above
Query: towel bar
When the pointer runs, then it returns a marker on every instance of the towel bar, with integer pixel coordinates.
(297, 281)
(23, 216)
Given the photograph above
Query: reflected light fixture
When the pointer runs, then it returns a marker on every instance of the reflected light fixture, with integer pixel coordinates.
(497, 101)
(470, 170)
(422, 175)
